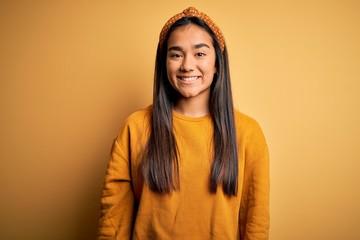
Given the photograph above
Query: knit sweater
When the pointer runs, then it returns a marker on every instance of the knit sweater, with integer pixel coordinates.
(130, 210)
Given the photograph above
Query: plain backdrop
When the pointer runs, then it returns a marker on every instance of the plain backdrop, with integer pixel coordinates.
(71, 71)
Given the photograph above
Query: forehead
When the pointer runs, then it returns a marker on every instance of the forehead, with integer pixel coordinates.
(189, 34)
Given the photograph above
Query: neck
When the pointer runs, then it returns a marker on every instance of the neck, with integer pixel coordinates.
(192, 107)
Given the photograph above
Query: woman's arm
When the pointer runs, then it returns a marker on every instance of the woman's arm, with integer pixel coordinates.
(117, 202)
(254, 209)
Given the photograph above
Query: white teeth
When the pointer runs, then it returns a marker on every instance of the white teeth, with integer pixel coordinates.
(189, 78)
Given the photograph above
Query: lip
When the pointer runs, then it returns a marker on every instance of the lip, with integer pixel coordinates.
(188, 79)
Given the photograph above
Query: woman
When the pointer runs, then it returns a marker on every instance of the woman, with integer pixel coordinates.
(189, 166)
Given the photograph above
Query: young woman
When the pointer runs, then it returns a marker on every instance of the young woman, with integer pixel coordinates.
(189, 166)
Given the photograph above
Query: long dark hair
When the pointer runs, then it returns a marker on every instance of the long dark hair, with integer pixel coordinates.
(159, 165)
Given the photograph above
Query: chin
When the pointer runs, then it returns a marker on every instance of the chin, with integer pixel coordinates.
(188, 95)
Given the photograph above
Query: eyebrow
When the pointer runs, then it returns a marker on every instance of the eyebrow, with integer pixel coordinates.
(196, 46)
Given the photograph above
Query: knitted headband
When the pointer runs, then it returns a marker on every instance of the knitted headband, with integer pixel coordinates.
(193, 12)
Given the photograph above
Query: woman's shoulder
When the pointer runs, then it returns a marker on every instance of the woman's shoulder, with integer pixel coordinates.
(137, 119)
(139, 115)
(247, 125)
(244, 119)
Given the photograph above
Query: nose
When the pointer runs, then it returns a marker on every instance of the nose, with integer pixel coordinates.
(188, 64)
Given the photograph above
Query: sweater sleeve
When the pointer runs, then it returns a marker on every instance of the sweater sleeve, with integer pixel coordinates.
(254, 209)
(117, 201)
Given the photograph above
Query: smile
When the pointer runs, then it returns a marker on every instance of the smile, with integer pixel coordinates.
(189, 79)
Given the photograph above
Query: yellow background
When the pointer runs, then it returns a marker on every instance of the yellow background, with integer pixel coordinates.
(71, 71)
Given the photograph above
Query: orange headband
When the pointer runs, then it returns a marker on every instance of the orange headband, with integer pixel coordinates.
(193, 12)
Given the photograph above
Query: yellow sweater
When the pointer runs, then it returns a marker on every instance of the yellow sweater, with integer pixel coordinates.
(130, 210)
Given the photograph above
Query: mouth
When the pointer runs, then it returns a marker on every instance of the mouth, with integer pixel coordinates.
(188, 79)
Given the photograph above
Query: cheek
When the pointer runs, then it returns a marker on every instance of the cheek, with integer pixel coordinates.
(170, 72)
(209, 67)
(171, 68)
(168, 69)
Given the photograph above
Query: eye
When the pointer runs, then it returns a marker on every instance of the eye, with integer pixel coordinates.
(174, 55)
(200, 54)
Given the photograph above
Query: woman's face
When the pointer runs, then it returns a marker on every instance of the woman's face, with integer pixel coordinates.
(190, 61)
